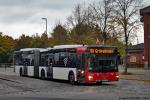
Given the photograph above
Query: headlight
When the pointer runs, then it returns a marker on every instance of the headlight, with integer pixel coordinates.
(117, 76)
(82, 72)
(90, 77)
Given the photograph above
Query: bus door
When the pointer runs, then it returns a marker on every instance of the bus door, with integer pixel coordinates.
(25, 64)
(49, 67)
(36, 63)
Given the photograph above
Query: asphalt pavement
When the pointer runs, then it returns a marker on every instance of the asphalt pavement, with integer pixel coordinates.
(14, 87)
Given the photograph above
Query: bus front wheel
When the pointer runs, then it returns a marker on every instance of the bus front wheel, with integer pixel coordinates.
(71, 78)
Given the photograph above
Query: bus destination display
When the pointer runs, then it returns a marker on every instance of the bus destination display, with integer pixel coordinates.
(100, 51)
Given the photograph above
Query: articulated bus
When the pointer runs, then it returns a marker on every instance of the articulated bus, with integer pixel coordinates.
(75, 63)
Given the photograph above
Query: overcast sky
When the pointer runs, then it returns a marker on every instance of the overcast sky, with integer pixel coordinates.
(24, 16)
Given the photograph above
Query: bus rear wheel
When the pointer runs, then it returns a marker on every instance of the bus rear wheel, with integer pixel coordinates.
(71, 78)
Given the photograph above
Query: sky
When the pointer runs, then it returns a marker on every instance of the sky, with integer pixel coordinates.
(25, 16)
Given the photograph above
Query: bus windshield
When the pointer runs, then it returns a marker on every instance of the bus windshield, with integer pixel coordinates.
(102, 63)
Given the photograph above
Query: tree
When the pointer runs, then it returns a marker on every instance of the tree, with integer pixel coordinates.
(44, 40)
(84, 35)
(7, 45)
(80, 26)
(78, 16)
(128, 22)
(3, 55)
(60, 35)
(102, 15)
(23, 42)
(36, 41)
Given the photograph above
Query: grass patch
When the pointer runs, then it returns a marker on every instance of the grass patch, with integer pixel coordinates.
(126, 73)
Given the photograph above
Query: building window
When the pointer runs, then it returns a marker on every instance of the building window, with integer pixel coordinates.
(133, 59)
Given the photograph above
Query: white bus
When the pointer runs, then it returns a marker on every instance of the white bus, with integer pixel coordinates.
(53, 63)
(26, 61)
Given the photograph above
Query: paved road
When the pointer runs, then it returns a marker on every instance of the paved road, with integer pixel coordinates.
(23, 87)
(13, 87)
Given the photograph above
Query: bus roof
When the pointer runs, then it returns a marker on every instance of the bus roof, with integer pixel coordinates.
(102, 46)
(66, 46)
(31, 49)
(76, 46)
(47, 49)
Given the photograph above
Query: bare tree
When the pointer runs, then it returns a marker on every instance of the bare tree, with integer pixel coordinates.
(126, 17)
(78, 23)
(102, 16)
(78, 16)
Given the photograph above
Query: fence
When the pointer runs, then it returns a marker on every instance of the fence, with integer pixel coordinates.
(5, 65)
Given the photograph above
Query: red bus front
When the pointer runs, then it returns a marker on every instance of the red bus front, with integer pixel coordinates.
(101, 65)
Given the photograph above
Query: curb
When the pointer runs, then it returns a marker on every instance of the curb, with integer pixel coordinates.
(147, 81)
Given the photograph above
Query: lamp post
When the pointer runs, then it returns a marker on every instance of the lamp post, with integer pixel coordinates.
(46, 23)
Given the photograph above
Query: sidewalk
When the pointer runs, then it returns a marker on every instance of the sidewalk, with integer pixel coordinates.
(139, 74)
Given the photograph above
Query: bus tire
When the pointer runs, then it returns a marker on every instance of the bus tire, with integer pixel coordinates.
(20, 72)
(71, 78)
(42, 74)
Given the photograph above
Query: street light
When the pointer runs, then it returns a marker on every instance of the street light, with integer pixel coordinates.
(46, 23)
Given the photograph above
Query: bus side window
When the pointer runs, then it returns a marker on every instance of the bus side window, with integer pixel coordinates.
(17, 60)
(56, 59)
(61, 61)
(42, 59)
(75, 61)
(26, 62)
(50, 58)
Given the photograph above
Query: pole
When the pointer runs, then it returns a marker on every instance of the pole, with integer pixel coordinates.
(46, 26)
(46, 41)
(46, 23)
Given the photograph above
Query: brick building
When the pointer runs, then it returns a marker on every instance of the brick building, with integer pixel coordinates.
(145, 18)
(136, 56)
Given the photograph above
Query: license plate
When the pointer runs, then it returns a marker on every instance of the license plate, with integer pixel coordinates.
(102, 81)
(99, 81)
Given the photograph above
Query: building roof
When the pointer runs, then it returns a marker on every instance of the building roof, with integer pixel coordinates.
(145, 10)
(137, 48)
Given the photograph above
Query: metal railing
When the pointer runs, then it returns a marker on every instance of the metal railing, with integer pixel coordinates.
(6, 65)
